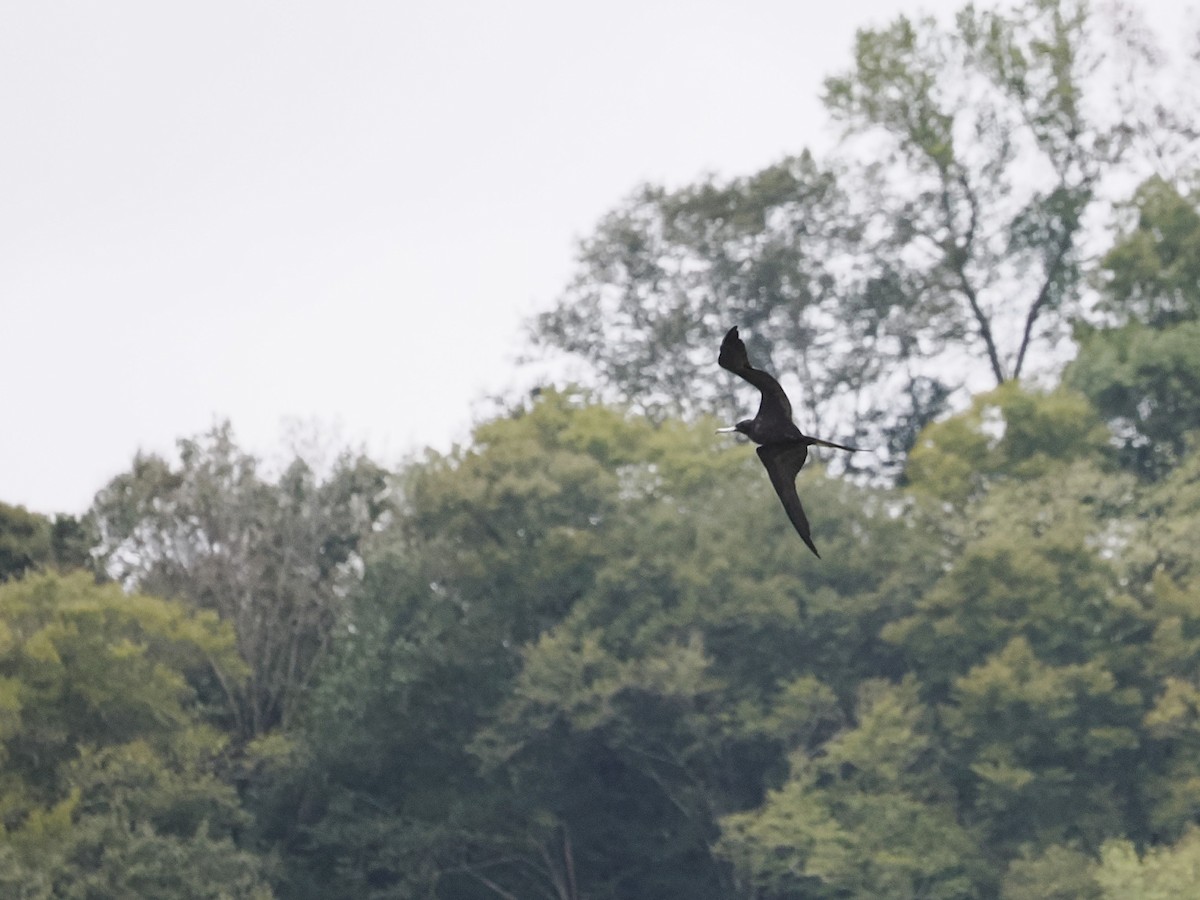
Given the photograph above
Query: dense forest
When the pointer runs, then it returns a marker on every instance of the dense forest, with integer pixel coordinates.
(584, 655)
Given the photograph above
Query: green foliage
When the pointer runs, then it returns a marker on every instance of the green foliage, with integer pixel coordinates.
(1007, 433)
(104, 859)
(1172, 724)
(274, 559)
(492, 546)
(30, 542)
(1049, 748)
(868, 818)
(1037, 655)
(1146, 381)
(680, 266)
(109, 786)
(1143, 374)
(1033, 574)
(947, 232)
(585, 655)
(1162, 873)
(584, 602)
(1059, 873)
(1169, 512)
(588, 657)
(24, 541)
(1151, 274)
(86, 665)
(985, 148)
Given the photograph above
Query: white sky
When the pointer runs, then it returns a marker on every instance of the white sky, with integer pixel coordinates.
(340, 212)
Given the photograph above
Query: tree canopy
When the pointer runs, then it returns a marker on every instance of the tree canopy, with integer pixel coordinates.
(110, 756)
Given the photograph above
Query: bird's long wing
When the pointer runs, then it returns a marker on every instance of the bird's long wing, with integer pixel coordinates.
(733, 356)
(783, 462)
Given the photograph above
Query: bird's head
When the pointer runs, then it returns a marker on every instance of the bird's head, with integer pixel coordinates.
(742, 427)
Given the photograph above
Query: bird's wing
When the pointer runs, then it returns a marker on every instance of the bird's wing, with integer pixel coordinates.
(783, 462)
(733, 356)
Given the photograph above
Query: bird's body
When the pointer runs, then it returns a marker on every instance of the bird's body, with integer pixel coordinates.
(783, 448)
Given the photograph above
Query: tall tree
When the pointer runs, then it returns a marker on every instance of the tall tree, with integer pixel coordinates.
(1139, 363)
(950, 233)
(664, 276)
(988, 143)
(274, 558)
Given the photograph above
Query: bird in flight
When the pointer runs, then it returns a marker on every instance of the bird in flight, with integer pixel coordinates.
(783, 448)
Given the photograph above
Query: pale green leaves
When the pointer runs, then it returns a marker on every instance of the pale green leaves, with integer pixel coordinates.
(862, 819)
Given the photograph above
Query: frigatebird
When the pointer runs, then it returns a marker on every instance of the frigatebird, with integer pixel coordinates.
(783, 448)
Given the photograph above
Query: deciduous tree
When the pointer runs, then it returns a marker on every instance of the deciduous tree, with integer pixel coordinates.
(273, 557)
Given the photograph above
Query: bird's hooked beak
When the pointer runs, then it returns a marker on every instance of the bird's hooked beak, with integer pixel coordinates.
(732, 429)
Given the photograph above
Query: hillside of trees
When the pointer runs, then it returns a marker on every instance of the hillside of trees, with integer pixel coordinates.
(584, 655)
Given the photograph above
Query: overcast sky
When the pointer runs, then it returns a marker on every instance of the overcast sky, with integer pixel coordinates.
(340, 212)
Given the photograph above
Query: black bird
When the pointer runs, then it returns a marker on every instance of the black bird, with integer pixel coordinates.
(783, 448)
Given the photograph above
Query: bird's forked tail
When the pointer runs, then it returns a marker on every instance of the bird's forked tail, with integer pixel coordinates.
(820, 443)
